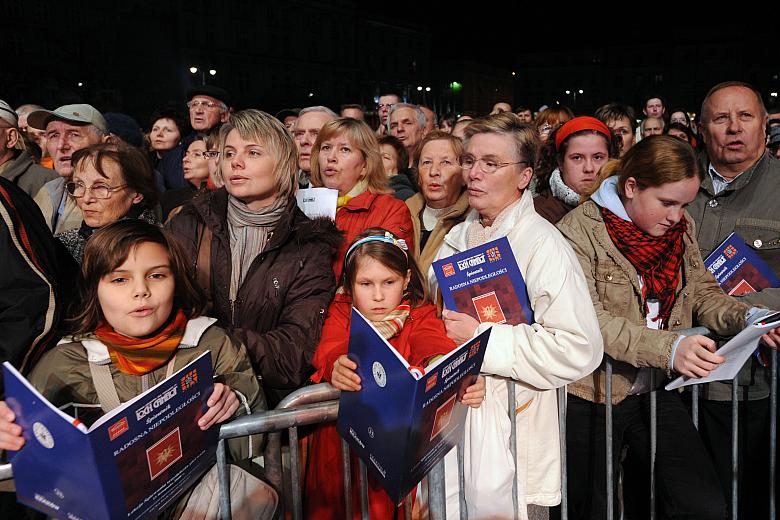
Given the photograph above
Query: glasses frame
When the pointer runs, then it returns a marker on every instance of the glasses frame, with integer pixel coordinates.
(482, 166)
(207, 105)
(91, 189)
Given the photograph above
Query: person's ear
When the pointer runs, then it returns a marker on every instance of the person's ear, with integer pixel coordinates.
(12, 137)
(137, 198)
(631, 188)
(525, 178)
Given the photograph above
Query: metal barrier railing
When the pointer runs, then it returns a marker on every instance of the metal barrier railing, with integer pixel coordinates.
(319, 404)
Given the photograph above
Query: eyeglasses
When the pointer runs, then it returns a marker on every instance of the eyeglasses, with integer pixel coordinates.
(206, 105)
(210, 154)
(199, 155)
(99, 191)
(489, 166)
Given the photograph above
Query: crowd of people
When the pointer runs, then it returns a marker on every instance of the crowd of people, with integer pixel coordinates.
(127, 252)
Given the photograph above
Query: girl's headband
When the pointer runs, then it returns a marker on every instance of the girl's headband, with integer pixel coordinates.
(577, 125)
(387, 237)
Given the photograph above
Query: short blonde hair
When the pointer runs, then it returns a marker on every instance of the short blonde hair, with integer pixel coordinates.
(361, 137)
(263, 128)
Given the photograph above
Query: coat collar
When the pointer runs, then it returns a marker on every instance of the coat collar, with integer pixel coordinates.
(457, 238)
(362, 202)
(740, 182)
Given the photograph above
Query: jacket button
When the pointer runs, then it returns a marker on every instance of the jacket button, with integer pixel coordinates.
(685, 295)
(609, 277)
(713, 203)
(695, 265)
(757, 243)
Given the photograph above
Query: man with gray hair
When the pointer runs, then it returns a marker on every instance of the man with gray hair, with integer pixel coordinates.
(305, 132)
(16, 164)
(68, 129)
(739, 194)
(407, 123)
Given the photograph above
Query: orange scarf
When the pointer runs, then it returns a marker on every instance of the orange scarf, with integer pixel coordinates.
(138, 357)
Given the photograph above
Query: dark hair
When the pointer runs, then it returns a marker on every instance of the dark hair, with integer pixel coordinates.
(355, 106)
(653, 95)
(550, 158)
(136, 171)
(523, 108)
(615, 111)
(681, 128)
(402, 157)
(450, 119)
(173, 116)
(390, 256)
(108, 248)
(683, 111)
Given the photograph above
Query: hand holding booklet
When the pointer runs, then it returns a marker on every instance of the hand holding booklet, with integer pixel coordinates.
(132, 463)
(736, 351)
(403, 420)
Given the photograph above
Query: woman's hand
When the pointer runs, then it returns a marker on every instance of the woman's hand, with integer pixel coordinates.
(475, 394)
(772, 338)
(695, 356)
(222, 404)
(10, 432)
(460, 327)
(344, 376)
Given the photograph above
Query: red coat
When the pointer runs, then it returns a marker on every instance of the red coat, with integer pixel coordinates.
(422, 338)
(369, 210)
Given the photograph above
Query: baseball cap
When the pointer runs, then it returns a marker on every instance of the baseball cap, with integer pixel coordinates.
(8, 115)
(80, 114)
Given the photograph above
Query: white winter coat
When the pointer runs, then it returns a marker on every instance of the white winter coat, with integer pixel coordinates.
(562, 346)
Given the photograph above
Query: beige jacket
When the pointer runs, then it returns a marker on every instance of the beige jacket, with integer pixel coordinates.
(454, 215)
(561, 346)
(614, 288)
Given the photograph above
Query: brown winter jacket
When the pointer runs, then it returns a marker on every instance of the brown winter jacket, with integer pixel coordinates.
(617, 297)
(280, 307)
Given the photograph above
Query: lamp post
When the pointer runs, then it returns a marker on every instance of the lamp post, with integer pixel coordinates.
(195, 70)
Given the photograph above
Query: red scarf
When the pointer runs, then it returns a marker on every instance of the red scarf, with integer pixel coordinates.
(656, 259)
(140, 356)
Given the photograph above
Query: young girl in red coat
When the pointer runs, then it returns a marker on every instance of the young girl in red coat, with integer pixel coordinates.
(383, 282)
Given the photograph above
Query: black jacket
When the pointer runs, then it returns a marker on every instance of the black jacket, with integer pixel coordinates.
(36, 280)
(281, 305)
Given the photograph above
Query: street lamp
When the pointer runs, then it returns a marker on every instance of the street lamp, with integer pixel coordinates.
(195, 70)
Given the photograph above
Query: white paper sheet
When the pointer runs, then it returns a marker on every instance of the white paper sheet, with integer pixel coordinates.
(736, 351)
(318, 202)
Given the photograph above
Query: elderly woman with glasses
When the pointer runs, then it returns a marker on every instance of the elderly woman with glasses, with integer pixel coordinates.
(562, 345)
(110, 182)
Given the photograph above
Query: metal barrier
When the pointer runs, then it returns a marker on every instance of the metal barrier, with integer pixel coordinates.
(319, 404)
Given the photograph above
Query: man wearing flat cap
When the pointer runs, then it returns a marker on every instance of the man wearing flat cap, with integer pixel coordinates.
(68, 129)
(16, 164)
(209, 107)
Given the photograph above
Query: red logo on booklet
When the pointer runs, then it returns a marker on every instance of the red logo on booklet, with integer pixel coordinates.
(189, 379)
(431, 382)
(164, 453)
(448, 270)
(117, 429)
(473, 349)
(443, 416)
(488, 308)
(493, 254)
(730, 251)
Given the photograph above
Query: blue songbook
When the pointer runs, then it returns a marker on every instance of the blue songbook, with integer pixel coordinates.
(738, 269)
(403, 420)
(132, 463)
(485, 283)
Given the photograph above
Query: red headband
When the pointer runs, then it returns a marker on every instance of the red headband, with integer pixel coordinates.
(577, 125)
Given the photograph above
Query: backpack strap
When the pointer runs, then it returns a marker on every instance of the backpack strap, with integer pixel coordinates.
(104, 386)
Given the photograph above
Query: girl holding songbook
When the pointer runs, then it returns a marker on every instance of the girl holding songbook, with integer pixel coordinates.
(382, 281)
(647, 279)
(139, 322)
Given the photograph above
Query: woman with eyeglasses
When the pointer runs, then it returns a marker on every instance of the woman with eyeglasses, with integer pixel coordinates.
(110, 182)
(196, 166)
(562, 345)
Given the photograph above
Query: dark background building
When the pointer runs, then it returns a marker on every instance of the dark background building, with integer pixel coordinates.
(135, 56)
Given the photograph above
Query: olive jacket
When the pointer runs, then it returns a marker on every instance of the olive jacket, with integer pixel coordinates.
(617, 298)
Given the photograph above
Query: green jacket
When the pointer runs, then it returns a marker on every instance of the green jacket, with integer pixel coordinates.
(750, 206)
(63, 375)
(617, 298)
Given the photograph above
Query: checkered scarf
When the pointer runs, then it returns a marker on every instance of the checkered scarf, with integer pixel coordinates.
(391, 325)
(656, 259)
